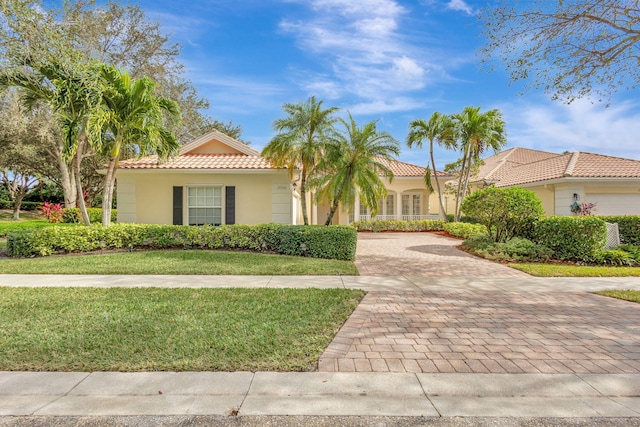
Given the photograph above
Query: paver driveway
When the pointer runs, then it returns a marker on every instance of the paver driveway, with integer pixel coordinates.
(421, 254)
(480, 330)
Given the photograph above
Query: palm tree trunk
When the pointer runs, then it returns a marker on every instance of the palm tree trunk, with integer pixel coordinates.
(107, 193)
(443, 215)
(334, 208)
(68, 183)
(466, 184)
(303, 196)
(459, 191)
(78, 181)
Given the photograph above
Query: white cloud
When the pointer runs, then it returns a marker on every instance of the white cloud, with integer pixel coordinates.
(364, 53)
(460, 5)
(580, 126)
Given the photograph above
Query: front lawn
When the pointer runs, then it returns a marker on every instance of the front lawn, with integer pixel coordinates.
(566, 270)
(89, 329)
(179, 262)
(628, 294)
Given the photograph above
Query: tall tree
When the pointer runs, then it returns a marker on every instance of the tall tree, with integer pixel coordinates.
(569, 48)
(354, 160)
(476, 132)
(72, 92)
(438, 129)
(131, 117)
(300, 142)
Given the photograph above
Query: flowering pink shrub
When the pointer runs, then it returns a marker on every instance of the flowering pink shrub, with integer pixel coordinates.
(52, 211)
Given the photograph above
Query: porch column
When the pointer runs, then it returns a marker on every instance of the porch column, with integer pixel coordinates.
(314, 210)
(398, 205)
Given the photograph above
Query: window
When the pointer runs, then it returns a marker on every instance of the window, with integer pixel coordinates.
(204, 205)
(411, 204)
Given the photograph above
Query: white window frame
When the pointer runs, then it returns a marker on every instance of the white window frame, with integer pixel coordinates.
(213, 205)
(409, 201)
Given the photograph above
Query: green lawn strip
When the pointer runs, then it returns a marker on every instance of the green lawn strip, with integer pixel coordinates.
(627, 294)
(179, 262)
(130, 330)
(562, 270)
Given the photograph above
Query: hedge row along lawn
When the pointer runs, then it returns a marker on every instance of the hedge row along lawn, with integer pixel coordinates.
(179, 262)
(629, 295)
(129, 330)
(563, 270)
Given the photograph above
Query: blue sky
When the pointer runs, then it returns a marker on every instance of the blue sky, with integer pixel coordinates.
(388, 60)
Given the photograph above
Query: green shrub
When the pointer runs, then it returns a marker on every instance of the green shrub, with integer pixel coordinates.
(334, 242)
(571, 238)
(72, 215)
(506, 212)
(33, 224)
(464, 230)
(632, 250)
(613, 257)
(629, 227)
(399, 225)
(516, 249)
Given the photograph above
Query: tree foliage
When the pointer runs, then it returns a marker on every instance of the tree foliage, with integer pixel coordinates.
(438, 129)
(506, 212)
(353, 161)
(301, 140)
(569, 48)
(130, 118)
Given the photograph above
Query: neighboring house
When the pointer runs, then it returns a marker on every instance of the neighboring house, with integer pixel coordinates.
(407, 197)
(219, 180)
(612, 183)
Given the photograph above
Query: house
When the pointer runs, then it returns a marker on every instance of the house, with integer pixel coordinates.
(214, 180)
(559, 180)
(219, 180)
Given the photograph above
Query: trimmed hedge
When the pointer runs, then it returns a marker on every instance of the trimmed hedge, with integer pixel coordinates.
(73, 216)
(629, 228)
(24, 206)
(571, 238)
(7, 227)
(333, 242)
(464, 230)
(399, 225)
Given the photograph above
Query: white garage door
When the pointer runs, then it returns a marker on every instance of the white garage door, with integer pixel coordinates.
(615, 204)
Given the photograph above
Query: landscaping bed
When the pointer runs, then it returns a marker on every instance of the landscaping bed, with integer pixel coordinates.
(128, 330)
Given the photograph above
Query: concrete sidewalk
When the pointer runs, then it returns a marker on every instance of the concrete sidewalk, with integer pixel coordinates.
(367, 283)
(318, 394)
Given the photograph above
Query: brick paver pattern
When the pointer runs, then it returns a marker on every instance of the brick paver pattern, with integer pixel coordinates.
(421, 254)
(488, 332)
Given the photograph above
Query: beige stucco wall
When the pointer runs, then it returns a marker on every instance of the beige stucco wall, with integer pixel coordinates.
(546, 193)
(146, 196)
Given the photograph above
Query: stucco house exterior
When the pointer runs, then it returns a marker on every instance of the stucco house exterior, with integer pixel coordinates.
(612, 183)
(219, 180)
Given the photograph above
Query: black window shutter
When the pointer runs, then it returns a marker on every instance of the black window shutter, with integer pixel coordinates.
(230, 205)
(177, 206)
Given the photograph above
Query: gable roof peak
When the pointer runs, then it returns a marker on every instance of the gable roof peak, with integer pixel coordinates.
(223, 138)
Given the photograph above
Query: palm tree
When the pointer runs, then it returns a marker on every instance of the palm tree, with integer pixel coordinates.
(476, 133)
(72, 92)
(354, 161)
(440, 129)
(130, 118)
(299, 144)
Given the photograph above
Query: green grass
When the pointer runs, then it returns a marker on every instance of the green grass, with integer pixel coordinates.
(3, 243)
(7, 227)
(563, 270)
(129, 330)
(628, 294)
(179, 262)
(7, 215)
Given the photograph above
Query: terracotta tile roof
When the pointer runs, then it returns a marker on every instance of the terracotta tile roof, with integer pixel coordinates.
(407, 169)
(199, 161)
(534, 166)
